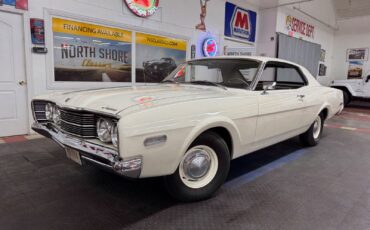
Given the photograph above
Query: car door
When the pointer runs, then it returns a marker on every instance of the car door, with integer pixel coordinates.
(281, 108)
(366, 88)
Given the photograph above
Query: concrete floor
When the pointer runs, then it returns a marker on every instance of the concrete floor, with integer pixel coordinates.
(282, 187)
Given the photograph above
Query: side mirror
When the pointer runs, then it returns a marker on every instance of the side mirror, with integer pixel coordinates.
(269, 86)
(367, 79)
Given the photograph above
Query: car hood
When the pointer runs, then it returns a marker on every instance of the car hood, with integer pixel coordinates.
(115, 100)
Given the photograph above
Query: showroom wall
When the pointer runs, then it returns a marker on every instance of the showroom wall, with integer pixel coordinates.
(175, 17)
(323, 34)
(351, 33)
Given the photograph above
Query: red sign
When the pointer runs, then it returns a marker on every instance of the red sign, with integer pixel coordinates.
(297, 26)
(143, 8)
(242, 20)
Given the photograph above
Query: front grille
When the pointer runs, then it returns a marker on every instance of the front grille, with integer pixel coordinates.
(78, 123)
(39, 110)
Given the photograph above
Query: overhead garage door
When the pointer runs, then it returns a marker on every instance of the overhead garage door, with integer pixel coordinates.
(299, 51)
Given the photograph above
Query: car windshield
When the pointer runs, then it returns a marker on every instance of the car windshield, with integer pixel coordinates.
(233, 73)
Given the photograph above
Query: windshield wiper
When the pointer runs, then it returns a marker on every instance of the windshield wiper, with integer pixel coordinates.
(204, 82)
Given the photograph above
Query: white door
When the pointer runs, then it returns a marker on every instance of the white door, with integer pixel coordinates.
(13, 99)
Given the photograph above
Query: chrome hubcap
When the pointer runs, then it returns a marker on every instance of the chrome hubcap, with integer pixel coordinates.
(198, 167)
(196, 164)
(317, 127)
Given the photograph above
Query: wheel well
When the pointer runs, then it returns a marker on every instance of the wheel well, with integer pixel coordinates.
(325, 113)
(225, 134)
(343, 89)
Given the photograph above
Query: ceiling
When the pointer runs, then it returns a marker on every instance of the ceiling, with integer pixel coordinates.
(351, 8)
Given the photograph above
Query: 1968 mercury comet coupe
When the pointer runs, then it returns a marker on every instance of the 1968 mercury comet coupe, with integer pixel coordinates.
(188, 128)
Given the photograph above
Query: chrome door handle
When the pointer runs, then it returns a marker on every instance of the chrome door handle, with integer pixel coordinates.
(301, 96)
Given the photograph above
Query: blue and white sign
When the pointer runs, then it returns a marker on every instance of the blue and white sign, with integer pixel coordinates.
(240, 23)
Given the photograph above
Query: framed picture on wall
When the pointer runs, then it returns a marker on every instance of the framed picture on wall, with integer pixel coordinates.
(358, 54)
(322, 70)
(322, 55)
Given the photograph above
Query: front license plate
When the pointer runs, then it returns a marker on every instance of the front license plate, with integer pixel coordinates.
(73, 155)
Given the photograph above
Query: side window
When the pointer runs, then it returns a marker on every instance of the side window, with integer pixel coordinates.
(285, 75)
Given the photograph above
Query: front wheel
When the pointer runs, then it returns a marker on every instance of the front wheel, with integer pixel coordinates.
(202, 170)
(313, 135)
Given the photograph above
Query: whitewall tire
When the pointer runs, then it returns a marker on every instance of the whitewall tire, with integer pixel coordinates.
(202, 170)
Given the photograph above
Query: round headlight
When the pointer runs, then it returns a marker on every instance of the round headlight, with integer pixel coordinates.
(49, 111)
(114, 135)
(56, 115)
(104, 129)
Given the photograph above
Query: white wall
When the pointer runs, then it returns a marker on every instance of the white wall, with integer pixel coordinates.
(323, 35)
(352, 33)
(177, 17)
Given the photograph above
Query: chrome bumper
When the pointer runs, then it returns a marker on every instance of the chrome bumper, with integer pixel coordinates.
(92, 153)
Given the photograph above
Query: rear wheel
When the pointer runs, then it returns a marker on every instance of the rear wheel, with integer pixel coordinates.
(346, 98)
(202, 170)
(313, 135)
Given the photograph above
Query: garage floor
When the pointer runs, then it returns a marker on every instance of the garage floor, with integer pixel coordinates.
(282, 187)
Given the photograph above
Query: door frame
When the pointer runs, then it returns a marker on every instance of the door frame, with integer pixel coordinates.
(27, 58)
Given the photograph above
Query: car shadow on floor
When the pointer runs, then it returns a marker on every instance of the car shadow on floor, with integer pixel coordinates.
(146, 197)
(43, 190)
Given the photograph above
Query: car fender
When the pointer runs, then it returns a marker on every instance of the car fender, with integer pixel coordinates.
(209, 123)
(344, 85)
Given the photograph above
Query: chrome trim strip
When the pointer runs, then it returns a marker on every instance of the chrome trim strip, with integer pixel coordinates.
(85, 126)
(80, 144)
(130, 167)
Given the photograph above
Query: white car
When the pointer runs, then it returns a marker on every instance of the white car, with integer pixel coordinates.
(188, 128)
(353, 88)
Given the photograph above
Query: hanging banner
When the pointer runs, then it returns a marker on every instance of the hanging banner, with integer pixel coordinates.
(157, 56)
(89, 52)
(240, 23)
(296, 26)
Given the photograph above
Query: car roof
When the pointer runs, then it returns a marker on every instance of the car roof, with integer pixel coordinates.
(256, 58)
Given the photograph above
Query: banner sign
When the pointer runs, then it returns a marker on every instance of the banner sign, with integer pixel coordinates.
(89, 52)
(157, 56)
(295, 25)
(240, 23)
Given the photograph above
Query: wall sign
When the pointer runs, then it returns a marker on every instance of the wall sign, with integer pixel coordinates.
(157, 56)
(296, 26)
(89, 53)
(239, 51)
(210, 47)
(19, 4)
(360, 54)
(142, 8)
(240, 23)
(37, 31)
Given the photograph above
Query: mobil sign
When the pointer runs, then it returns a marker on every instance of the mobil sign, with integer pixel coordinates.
(240, 23)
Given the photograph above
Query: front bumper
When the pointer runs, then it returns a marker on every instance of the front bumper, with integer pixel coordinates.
(93, 153)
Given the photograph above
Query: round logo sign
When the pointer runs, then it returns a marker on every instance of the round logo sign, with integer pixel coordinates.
(210, 47)
(143, 8)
